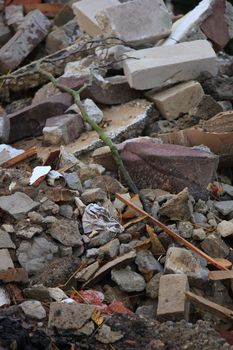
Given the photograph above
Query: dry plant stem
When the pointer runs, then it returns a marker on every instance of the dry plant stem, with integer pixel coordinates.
(171, 233)
(102, 135)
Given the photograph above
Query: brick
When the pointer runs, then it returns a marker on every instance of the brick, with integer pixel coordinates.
(63, 129)
(172, 304)
(31, 32)
(161, 66)
(177, 100)
(136, 22)
(31, 120)
(171, 167)
(86, 11)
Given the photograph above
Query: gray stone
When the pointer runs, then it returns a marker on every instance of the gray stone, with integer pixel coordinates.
(69, 317)
(66, 232)
(34, 256)
(185, 229)
(101, 239)
(114, 21)
(93, 111)
(49, 206)
(6, 241)
(147, 263)
(57, 294)
(85, 274)
(172, 303)
(182, 261)
(199, 234)
(179, 207)
(62, 129)
(224, 207)
(66, 210)
(128, 280)
(73, 181)
(106, 336)
(8, 228)
(93, 195)
(31, 32)
(228, 189)
(35, 218)
(37, 292)
(215, 246)
(17, 204)
(65, 251)
(125, 237)
(111, 249)
(199, 218)
(205, 109)
(152, 287)
(5, 260)
(90, 253)
(29, 232)
(146, 311)
(33, 309)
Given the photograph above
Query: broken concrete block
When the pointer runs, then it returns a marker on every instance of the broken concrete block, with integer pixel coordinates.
(33, 309)
(66, 232)
(149, 21)
(17, 204)
(225, 228)
(182, 261)
(215, 246)
(62, 37)
(128, 280)
(86, 11)
(31, 120)
(69, 317)
(172, 303)
(14, 16)
(5, 260)
(179, 207)
(177, 100)
(171, 167)
(63, 129)
(31, 32)
(158, 67)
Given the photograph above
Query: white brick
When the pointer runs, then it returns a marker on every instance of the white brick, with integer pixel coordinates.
(85, 12)
(161, 66)
(136, 22)
(172, 303)
(178, 99)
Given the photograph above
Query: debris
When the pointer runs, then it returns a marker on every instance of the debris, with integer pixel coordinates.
(147, 264)
(106, 336)
(6, 241)
(93, 195)
(38, 174)
(177, 100)
(87, 272)
(5, 259)
(215, 246)
(17, 204)
(178, 207)
(128, 280)
(33, 309)
(161, 66)
(220, 275)
(14, 275)
(225, 228)
(19, 158)
(172, 304)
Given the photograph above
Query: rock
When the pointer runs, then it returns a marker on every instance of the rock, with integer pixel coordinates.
(35, 218)
(87, 272)
(66, 232)
(106, 336)
(5, 260)
(199, 219)
(147, 311)
(34, 256)
(205, 109)
(62, 36)
(224, 207)
(31, 120)
(111, 249)
(93, 195)
(5, 33)
(101, 239)
(228, 189)
(172, 303)
(93, 111)
(158, 67)
(73, 181)
(62, 129)
(128, 280)
(6, 241)
(182, 261)
(185, 229)
(108, 184)
(215, 246)
(147, 263)
(178, 207)
(57, 294)
(28, 232)
(31, 32)
(177, 100)
(37, 292)
(225, 228)
(13, 275)
(14, 16)
(69, 317)
(171, 167)
(66, 210)
(152, 287)
(65, 15)
(33, 309)
(65, 251)
(48, 206)
(116, 263)
(17, 204)
(113, 21)
(8, 228)
(199, 234)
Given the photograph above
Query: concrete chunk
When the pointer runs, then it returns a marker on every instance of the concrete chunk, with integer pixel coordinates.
(178, 99)
(136, 22)
(172, 303)
(31, 32)
(17, 204)
(86, 11)
(161, 66)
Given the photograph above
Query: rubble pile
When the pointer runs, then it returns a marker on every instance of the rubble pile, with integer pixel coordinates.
(116, 187)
